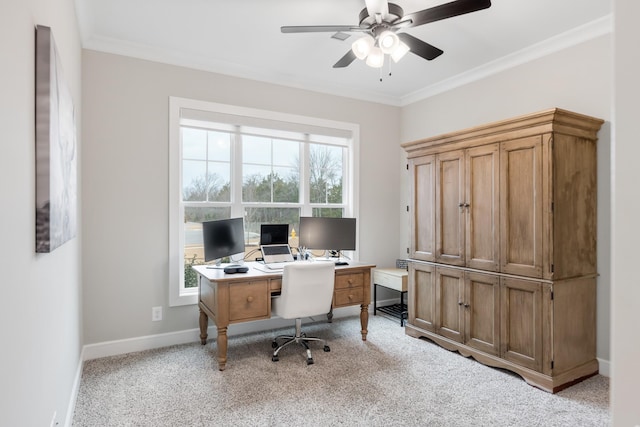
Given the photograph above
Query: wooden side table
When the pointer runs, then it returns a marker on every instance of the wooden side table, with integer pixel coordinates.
(391, 278)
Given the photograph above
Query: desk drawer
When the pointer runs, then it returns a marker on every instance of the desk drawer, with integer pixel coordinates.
(346, 297)
(275, 285)
(248, 300)
(349, 281)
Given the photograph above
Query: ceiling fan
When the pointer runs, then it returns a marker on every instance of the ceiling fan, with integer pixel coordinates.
(381, 22)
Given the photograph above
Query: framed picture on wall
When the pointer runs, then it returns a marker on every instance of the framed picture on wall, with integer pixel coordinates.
(56, 151)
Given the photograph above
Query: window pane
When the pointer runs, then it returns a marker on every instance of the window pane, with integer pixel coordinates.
(219, 146)
(256, 150)
(254, 217)
(286, 187)
(194, 144)
(219, 182)
(327, 212)
(206, 180)
(270, 170)
(325, 179)
(194, 180)
(256, 184)
(193, 248)
(286, 153)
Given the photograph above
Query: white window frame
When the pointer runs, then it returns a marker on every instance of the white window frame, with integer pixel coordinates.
(182, 296)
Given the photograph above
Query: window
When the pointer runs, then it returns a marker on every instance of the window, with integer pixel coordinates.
(267, 167)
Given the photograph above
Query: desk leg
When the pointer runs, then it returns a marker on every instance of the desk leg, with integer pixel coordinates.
(364, 320)
(204, 323)
(222, 348)
(330, 315)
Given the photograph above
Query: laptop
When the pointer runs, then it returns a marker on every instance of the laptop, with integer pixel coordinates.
(275, 256)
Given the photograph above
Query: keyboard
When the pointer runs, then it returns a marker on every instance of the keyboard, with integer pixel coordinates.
(277, 265)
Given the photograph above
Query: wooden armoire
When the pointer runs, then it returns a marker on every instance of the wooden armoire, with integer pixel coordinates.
(502, 257)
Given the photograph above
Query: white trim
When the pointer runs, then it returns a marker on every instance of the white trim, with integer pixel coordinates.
(176, 240)
(148, 342)
(75, 389)
(554, 44)
(572, 37)
(208, 63)
(177, 296)
(604, 367)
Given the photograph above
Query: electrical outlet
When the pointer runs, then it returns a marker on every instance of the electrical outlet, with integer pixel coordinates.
(156, 314)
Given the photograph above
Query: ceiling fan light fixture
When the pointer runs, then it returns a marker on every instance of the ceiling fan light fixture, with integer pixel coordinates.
(362, 46)
(375, 58)
(401, 50)
(388, 42)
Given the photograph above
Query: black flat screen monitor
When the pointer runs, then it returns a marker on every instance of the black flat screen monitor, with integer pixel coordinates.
(222, 238)
(274, 234)
(332, 234)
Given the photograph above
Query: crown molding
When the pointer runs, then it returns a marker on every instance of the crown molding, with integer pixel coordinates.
(581, 34)
(554, 44)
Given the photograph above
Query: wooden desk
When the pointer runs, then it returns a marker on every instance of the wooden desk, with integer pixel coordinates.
(244, 297)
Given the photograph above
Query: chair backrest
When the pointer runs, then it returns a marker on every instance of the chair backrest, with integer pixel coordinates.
(307, 289)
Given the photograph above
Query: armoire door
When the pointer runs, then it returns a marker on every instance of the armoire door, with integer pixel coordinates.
(481, 205)
(422, 217)
(421, 296)
(482, 312)
(521, 197)
(449, 318)
(521, 322)
(450, 208)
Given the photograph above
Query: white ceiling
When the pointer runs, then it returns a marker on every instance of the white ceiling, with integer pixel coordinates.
(243, 38)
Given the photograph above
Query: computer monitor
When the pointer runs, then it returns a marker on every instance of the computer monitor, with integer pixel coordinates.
(331, 234)
(222, 238)
(274, 234)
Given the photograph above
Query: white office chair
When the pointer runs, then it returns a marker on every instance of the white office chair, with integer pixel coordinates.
(307, 290)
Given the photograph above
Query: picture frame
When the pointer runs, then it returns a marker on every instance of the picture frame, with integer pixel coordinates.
(56, 148)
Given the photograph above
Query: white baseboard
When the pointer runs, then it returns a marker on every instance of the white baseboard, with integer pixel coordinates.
(148, 342)
(74, 392)
(604, 368)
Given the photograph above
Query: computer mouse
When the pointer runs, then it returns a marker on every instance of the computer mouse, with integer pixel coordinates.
(233, 269)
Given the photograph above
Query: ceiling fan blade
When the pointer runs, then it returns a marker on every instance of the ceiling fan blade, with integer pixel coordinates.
(375, 7)
(420, 48)
(447, 10)
(319, 28)
(401, 23)
(346, 60)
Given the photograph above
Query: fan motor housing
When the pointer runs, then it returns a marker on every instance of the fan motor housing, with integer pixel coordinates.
(367, 21)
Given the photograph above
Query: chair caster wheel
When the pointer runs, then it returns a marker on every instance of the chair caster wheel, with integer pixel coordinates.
(326, 348)
(274, 358)
(310, 361)
(274, 344)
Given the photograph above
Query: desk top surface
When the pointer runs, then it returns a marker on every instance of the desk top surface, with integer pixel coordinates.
(255, 272)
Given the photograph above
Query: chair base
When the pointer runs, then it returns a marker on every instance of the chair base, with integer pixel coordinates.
(299, 338)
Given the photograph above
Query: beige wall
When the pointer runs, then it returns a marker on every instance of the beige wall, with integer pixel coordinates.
(125, 182)
(625, 206)
(40, 311)
(577, 79)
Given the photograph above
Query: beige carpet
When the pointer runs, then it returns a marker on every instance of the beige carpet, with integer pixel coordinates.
(389, 380)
